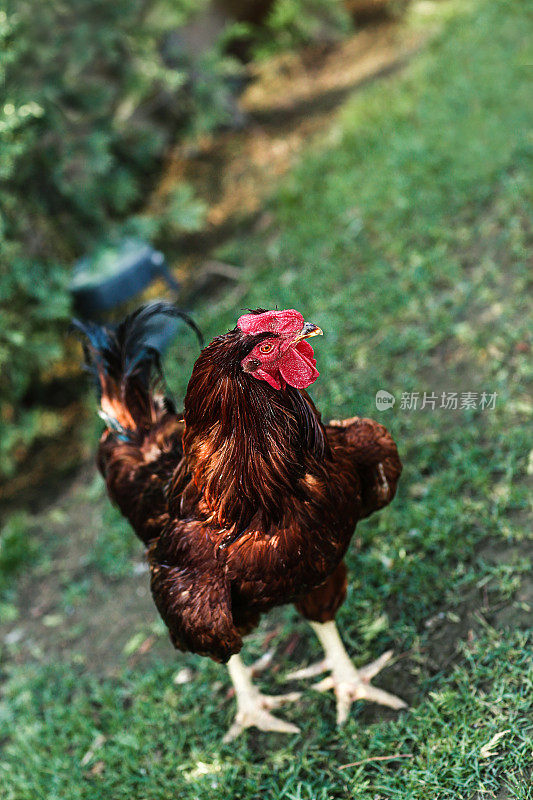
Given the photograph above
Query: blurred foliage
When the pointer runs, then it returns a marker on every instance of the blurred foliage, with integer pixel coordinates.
(293, 23)
(93, 94)
(93, 91)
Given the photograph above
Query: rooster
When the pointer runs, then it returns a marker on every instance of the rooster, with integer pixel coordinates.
(247, 501)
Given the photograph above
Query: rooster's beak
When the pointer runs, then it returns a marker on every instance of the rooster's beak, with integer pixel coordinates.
(307, 331)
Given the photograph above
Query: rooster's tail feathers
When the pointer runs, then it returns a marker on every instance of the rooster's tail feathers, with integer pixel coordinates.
(125, 361)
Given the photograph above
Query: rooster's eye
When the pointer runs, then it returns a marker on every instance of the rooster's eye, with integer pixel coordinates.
(266, 348)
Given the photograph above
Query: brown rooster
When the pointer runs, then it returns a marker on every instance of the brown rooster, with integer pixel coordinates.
(248, 501)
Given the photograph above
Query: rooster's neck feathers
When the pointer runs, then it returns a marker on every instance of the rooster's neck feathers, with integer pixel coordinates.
(248, 444)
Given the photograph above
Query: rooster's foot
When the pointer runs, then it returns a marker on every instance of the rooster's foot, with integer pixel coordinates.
(255, 713)
(348, 683)
(253, 708)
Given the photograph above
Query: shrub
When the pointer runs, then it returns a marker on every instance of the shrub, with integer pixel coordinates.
(89, 105)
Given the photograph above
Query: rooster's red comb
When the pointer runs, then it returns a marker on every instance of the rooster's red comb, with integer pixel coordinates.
(283, 323)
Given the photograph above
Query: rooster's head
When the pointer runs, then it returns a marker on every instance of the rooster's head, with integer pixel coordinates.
(279, 354)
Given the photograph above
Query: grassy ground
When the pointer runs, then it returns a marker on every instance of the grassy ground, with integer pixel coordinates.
(406, 234)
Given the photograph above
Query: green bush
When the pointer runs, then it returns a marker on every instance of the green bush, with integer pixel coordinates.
(88, 107)
(295, 22)
(93, 92)
(289, 24)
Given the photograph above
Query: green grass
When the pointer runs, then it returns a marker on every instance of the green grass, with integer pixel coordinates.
(163, 742)
(406, 235)
(18, 551)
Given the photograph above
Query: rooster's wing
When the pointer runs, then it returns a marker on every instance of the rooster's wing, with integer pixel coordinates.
(192, 592)
(374, 455)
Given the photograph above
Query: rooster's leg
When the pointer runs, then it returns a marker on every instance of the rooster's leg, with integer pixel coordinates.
(348, 682)
(253, 708)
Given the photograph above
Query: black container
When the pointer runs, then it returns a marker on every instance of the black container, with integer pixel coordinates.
(115, 275)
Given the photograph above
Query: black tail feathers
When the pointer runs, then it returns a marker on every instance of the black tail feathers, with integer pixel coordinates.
(125, 361)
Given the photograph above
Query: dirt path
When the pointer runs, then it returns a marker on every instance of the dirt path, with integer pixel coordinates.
(68, 606)
(290, 100)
